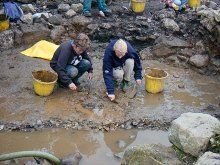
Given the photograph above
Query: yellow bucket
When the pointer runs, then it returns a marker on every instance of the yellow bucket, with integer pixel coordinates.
(194, 3)
(4, 25)
(44, 82)
(155, 80)
(138, 5)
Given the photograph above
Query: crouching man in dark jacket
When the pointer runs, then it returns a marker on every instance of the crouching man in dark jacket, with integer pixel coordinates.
(71, 61)
(120, 60)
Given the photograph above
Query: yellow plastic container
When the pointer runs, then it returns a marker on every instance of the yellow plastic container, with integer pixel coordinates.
(4, 25)
(44, 82)
(194, 3)
(138, 6)
(155, 80)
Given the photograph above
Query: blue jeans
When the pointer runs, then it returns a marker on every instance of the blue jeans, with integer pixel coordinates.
(75, 72)
(87, 5)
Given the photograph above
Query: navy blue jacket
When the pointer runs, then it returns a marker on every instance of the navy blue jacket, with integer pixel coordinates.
(63, 56)
(111, 61)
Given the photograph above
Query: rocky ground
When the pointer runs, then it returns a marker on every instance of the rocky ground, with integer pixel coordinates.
(176, 42)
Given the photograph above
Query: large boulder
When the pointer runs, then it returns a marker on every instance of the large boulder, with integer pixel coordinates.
(191, 132)
(172, 42)
(77, 7)
(153, 154)
(209, 158)
(199, 60)
(146, 54)
(56, 19)
(80, 22)
(27, 8)
(63, 7)
(70, 13)
(6, 39)
(57, 32)
(161, 50)
(34, 33)
(170, 24)
(27, 18)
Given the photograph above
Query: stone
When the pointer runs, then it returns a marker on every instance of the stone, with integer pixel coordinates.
(199, 60)
(208, 18)
(181, 85)
(70, 13)
(56, 19)
(27, 18)
(154, 154)
(200, 48)
(146, 54)
(208, 158)
(171, 24)
(215, 61)
(217, 15)
(77, 7)
(164, 13)
(183, 58)
(186, 52)
(80, 22)
(160, 50)
(34, 33)
(72, 159)
(106, 25)
(17, 36)
(212, 5)
(121, 143)
(46, 16)
(63, 7)
(191, 132)
(27, 8)
(217, 33)
(6, 40)
(209, 24)
(57, 32)
(119, 155)
(172, 42)
(172, 59)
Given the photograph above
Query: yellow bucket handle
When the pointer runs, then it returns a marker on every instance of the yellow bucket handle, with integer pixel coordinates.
(146, 68)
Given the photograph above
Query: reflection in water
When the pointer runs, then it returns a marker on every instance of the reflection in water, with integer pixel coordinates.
(96, 148)
(153, 100)
(111, 139)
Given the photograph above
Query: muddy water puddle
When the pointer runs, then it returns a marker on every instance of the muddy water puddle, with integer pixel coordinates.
(96, 147)
(185, 90)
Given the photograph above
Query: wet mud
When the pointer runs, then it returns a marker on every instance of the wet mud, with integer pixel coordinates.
(20, 108)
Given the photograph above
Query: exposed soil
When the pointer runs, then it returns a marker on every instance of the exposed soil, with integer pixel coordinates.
(21, 108)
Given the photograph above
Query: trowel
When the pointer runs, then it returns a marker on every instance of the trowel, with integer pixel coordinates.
(89, 86)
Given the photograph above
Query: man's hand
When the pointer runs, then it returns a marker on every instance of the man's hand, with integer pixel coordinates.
(138, 81)
(111, 97)
(90, 75)
(72, 86)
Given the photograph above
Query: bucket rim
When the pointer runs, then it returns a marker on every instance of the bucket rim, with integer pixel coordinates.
(158, 78)
(48, 83)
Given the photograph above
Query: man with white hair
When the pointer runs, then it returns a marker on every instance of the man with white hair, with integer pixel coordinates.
(120, 60)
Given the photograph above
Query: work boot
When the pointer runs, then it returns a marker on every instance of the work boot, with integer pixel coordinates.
(107, 12)
(87, 14)
(126, 85)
